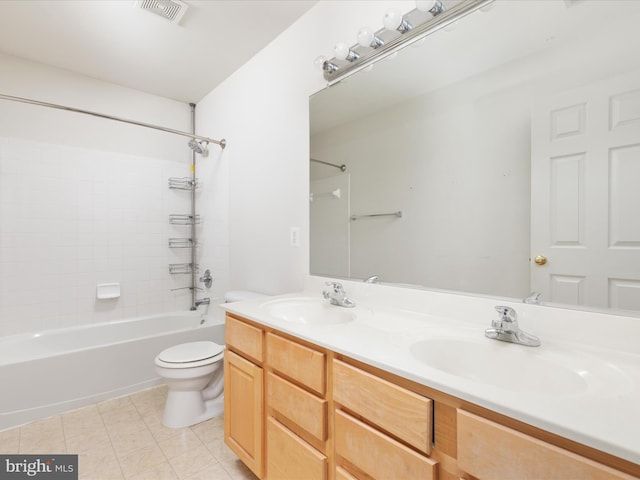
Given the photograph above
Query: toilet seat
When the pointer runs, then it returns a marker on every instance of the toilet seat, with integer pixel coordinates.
(190, 355)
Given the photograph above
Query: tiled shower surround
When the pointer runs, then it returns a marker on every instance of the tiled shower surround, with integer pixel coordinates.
(71, 218)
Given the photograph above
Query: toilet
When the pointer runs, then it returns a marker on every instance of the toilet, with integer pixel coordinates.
(194, 376)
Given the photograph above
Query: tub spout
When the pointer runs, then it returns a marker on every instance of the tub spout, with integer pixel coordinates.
(202, 301)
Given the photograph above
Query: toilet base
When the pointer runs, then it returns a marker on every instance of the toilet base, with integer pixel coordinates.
(184, 409)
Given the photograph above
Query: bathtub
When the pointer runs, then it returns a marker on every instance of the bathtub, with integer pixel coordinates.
(54, 371)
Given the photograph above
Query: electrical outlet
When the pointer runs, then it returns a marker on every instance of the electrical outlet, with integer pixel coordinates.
(294, 236)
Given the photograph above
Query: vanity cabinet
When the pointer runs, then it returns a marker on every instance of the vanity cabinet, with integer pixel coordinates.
(295, 410)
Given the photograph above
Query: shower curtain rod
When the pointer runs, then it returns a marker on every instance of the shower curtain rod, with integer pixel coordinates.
(222, 143)
(342, 167)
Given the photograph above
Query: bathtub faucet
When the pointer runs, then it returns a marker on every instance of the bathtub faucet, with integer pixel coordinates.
(202, 301)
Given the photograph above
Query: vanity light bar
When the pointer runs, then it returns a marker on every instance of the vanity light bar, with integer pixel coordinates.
(389, 42)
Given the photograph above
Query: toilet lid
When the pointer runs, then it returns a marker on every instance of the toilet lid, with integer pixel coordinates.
(190, 352)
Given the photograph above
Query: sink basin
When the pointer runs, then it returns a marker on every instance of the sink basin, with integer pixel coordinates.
(316, 311)
(514, 367)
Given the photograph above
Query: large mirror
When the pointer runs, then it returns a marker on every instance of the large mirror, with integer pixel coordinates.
(498, 157)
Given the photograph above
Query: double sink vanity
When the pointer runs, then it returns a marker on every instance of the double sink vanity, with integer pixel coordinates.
(404, 384)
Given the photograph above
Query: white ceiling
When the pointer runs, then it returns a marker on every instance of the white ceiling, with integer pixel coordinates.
(113, 41)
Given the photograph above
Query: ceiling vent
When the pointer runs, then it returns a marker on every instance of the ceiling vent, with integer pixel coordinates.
(172, 10)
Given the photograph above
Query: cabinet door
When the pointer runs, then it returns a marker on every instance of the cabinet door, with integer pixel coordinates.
(243, 410)
(290, 457)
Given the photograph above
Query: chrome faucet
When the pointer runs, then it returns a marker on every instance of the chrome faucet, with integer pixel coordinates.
(337, 295)
(533, 298)
(203, 301)
(506, 329)
(372, 279)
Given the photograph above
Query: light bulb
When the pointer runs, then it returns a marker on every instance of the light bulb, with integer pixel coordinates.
(365, 37)
(393, 20)
(343, 52)
(434, 7)
(319, 62)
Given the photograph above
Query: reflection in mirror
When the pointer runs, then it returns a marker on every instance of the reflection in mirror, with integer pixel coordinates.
(512, 137)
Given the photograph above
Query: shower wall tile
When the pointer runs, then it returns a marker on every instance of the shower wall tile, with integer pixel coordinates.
(71, 218)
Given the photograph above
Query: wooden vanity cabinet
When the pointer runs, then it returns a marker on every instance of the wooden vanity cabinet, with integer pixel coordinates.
(244, 393)
(294, 410)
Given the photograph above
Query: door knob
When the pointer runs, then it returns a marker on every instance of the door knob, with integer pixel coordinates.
(540, 260)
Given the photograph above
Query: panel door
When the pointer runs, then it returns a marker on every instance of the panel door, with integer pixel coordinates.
(585, 214)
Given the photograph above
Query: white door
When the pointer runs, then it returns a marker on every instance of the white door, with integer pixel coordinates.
(585, 191)
(329, 226)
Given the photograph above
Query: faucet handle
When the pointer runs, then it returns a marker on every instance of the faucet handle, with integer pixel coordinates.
(507, 314)
(336, 287)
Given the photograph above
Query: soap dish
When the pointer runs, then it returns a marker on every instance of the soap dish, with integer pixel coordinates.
(105, 291)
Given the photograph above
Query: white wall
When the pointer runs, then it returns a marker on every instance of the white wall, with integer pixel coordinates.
(85, 201)
(262, 110)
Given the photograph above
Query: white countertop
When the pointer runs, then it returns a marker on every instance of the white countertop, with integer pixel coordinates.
(603, 413)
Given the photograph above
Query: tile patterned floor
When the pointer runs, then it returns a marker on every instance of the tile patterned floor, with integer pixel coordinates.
(124, 439)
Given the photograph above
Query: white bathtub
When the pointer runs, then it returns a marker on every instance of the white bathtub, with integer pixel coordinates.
(58, 370)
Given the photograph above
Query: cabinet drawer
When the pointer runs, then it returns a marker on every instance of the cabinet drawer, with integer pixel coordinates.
(376, 454)
(402, 413)
(298, 362)
(489, 450)
(301, 407)
(342, 474)
(244, 338)
(291, 458)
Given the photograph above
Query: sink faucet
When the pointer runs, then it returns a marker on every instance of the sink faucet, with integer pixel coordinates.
(337, 295)
(533, 298)
(506, 329)
(372, 279)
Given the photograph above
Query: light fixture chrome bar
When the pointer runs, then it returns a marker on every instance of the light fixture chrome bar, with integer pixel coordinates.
(391, 45)
(392, 214)
(342, 167)
(11, 98)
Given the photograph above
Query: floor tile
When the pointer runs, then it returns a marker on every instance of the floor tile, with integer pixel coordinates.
(184, 442)
(141, 460)
(129, 441)
(114, 404)
(238, 470)
(99, 465)
(124, 439)
(10, 441)
(211, 472)
(190, 463)
(162, 471)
